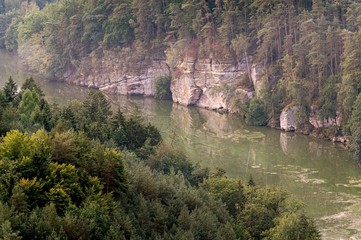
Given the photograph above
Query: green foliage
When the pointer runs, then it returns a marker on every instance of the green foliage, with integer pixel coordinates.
(29, 102)
(15, 145)
(6, 232)
(31, 85)
(355, 119)
(354, 125)
(294, 226)
(351, 78)
(95, 175)
(162, 88)
(261, 213)
(95, 118)
(96, 111)
(60, 183)
(118, 31)
(229, 191)
(271, 100)
(10, 90)
(329, 99)
(255, 114)
(65, 185)
(33, 23)
(356, 143)
(167, 160)
(308, 42)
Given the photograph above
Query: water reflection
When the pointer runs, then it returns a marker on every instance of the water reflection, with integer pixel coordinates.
(55, 92)
(324, 176)
(321, 174)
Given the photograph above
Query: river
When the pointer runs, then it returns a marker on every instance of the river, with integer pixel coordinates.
(321, 174)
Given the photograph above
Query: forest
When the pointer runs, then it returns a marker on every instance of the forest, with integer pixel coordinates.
(84, 172)
(310, 48)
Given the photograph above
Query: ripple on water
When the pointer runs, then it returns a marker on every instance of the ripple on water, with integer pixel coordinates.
(344, 223)
(245, 136)
(352, 183)
(301, 175)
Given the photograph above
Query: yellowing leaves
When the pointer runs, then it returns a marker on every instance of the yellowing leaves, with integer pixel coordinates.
(15, 145)
(18, 146)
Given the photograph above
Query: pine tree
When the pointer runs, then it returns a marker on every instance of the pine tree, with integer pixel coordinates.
(10, 90)
(356, 142)
(351, 74)
(355, 120)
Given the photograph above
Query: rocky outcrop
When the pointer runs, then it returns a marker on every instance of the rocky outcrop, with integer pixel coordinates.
(207, 83)
(257, 71)
(317, 122)
(120, 73)
(211, 84)
(288, 119)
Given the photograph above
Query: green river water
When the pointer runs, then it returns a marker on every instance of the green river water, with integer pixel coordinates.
(321, 174)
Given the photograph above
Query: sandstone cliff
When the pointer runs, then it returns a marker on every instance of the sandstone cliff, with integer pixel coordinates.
(205, 83)
(120, 73)
(211, 84)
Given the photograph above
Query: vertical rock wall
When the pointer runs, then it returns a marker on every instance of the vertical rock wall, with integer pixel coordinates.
(212, 84)
(120, 73)
(205, 83)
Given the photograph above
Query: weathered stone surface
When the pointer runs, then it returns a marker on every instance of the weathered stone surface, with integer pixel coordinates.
(211, 84)
(316, 122)
(120, 73)
(288, 119)
(207, 83)
(257, 72)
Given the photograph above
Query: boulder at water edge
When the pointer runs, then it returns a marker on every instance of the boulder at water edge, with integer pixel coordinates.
(288, 119)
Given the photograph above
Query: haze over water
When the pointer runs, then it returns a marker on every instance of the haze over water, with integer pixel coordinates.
(323, 175)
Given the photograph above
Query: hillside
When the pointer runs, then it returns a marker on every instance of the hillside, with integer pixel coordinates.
(83, 172)
(301, 57)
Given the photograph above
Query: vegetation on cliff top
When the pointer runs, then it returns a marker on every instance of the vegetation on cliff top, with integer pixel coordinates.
(309, 47)
(162, 88)
(82, 172)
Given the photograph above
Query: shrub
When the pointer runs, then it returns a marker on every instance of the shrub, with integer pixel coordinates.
(162, 88)
(256, 114)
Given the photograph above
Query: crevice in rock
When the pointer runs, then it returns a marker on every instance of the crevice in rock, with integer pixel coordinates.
(193, 72)
(196, 96)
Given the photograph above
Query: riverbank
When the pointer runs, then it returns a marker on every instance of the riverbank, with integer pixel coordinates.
(311, 169)
(323, 175)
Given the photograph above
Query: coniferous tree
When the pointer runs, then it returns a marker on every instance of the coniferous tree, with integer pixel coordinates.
(351, 76)
(10, 90)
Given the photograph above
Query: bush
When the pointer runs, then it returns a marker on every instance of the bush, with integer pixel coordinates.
(256, 114)
(356, 143)
(167, 159)
(162, 88)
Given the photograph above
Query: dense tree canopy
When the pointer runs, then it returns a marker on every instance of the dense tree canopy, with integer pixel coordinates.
(82, 172)
(309, 47)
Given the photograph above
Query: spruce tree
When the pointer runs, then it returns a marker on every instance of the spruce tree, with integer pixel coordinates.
(10, 90)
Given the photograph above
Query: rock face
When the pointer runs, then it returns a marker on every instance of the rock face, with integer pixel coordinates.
(205, 83)
(257, 72)
(288, 119)
(316, 122)
(120, 73)
(211, 84)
